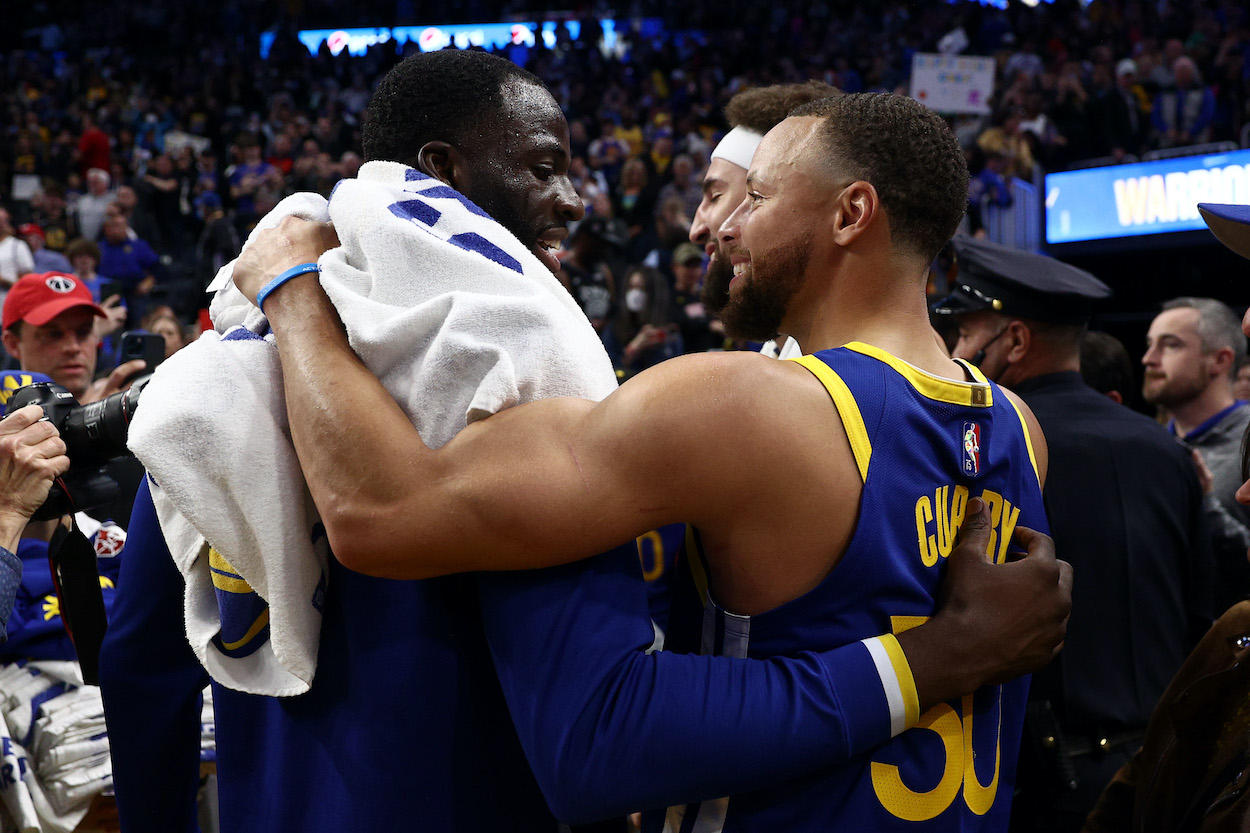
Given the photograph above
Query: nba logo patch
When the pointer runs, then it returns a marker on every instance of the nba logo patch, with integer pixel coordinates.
(972, 448)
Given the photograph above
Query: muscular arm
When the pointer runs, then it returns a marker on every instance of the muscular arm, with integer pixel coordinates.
(384, 494)
(609, 729)
(539, 484)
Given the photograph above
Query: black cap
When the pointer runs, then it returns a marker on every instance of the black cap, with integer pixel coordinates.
(1019, 283)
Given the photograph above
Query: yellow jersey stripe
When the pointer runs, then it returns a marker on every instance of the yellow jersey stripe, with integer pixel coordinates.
(261, 621)
(844, 401)
(224, 576)
(217, 561)
(974, 394)
(231, 585)
(1028, 441)
(906, 682)
(973, 370)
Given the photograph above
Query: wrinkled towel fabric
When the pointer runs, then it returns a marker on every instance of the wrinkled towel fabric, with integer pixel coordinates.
(454, 315)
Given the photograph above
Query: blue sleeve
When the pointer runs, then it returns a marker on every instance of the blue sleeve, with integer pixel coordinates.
(151, 683)
(609, 729)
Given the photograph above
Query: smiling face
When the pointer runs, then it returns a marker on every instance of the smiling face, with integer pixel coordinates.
(768, 240)
(724, 187)
(519, 173)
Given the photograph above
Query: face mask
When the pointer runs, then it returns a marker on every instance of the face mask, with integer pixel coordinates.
(636, 300)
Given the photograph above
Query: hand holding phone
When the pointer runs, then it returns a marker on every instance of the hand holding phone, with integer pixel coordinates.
(140, 344)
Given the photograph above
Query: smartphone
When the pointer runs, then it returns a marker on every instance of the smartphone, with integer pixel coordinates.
(110, 287)
(140, 344)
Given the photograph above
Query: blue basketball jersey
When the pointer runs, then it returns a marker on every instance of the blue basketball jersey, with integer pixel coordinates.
(924, 447)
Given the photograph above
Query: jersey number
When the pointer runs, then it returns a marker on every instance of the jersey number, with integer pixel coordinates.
(955, 731)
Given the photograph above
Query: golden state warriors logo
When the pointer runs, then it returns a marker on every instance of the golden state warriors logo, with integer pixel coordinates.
(972, 448)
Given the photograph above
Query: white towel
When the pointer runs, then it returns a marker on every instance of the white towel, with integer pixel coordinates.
(458, 319)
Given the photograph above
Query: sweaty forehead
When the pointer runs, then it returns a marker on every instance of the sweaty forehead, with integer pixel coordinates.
(531, 115)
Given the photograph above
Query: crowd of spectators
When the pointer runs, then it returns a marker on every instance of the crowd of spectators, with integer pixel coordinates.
(148, 163)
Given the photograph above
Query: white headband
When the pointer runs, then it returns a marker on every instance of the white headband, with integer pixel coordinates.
(738, 147)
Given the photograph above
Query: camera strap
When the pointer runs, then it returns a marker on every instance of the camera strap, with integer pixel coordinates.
(77, 580)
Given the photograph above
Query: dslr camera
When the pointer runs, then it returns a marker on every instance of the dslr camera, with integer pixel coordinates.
(95, 437)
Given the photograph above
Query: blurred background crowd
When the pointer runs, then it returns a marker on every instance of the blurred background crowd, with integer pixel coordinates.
(142, 142)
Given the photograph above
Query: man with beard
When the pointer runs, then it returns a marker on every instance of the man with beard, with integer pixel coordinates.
(407, 715)
(1126, 510)
(849, 200)
(1190, 773)
(1193, 349)
(751, 113)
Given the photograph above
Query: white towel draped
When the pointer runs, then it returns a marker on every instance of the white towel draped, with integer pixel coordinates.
(454, 315)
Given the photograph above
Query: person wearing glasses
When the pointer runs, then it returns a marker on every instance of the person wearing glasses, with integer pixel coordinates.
(1191, 772)
(1126, 509)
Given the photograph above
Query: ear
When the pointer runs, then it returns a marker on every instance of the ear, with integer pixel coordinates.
(1019, 338)
(1222, 362)
(855, 209)
(441, 160)
(12, 344)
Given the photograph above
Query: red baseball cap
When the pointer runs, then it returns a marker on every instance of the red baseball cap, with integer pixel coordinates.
(29, 228)
(38, 298)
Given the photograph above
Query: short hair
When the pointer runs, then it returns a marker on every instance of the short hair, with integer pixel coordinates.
(760, 109)
(908, 153)
(448, 95)
(1105, 364)
(82, 246)
(1218, 326)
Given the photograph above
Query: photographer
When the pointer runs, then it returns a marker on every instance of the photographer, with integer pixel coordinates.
(48, 322)
(48, 328)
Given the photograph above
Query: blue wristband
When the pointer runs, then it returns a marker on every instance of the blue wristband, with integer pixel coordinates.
(293, 272)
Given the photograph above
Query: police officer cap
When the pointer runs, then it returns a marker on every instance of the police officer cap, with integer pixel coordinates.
(1230, 224)
(1019, 283)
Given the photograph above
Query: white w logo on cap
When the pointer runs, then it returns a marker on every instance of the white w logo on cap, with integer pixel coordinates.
(60, 283)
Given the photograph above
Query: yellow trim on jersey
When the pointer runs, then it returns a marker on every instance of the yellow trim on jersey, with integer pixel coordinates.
(844, 401)
(1028, 441)
(698, 571)
(261, 621)
(973, 371)
(974, 394)
(906, 682)
(219, 567)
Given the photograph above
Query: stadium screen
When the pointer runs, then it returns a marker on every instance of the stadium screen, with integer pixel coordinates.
(358, 41)
(1142, 199)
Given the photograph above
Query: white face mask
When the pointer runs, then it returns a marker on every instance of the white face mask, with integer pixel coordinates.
(636, 300)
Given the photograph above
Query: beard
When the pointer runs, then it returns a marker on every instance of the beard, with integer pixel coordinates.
(1169, 393)
(716, 281)
(500, 203)
(758, 305)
